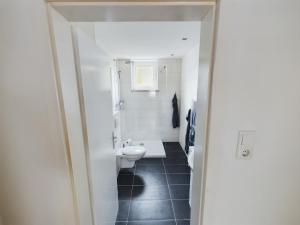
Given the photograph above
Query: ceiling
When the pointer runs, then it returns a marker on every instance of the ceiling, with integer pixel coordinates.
(93, 12)
(147, 40)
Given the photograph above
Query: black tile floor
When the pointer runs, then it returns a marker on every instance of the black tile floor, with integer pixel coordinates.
(156, 191)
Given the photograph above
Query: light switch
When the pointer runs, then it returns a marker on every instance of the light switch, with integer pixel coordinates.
(246, 141)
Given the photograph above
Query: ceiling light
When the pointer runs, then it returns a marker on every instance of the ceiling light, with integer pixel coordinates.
(184, 38)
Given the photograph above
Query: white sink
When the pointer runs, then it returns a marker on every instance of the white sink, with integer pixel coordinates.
(138, 151)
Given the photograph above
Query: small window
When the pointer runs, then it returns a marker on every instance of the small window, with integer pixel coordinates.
(144, 76)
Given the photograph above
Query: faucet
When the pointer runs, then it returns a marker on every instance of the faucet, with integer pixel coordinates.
(128, 142)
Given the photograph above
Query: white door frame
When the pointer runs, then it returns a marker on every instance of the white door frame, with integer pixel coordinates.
(198, 212)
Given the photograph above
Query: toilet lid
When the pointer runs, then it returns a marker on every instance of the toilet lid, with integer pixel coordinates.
(133, 150)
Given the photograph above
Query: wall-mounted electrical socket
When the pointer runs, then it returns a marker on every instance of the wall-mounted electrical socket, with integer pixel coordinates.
(246, 140)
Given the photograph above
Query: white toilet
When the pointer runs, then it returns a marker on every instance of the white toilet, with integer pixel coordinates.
(129, 154)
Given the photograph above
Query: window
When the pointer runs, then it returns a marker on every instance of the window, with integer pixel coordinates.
(144, 76)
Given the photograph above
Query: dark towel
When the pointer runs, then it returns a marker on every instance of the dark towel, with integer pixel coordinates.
(188, 128)
(175, 117)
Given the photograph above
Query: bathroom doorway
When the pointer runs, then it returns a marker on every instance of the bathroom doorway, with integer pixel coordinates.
(156, 190)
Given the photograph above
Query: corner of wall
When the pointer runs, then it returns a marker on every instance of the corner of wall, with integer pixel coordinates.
(189, 86)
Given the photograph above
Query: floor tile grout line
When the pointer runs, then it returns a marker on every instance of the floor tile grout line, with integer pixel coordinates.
(169, 193)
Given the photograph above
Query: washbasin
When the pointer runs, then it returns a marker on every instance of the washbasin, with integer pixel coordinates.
(138, 151)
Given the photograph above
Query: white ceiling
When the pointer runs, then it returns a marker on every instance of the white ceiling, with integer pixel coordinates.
(147, 40)
(93, 12)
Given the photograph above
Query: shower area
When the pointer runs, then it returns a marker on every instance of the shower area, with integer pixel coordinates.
(144, 103)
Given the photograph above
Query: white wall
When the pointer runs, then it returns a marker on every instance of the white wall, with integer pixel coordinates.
(68, 80)
(148, 115)
(87, 27)
(35, 182)
(189, 84)
(255, 87)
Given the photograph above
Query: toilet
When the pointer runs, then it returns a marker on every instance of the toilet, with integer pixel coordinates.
(129, 154)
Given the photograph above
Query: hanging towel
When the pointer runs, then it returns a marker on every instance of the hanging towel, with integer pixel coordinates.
(192, 128)
(188, 128)
(175, 117)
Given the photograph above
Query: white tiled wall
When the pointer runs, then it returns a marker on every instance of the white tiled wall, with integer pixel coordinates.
(148, 115)
(189, 86)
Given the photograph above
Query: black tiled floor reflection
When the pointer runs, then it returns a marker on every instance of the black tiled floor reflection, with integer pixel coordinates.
(178, 178)
(150, 192)
(124, 192)
(183, 222)
(123, 210)
(157, 222)
(175, 160)
(129, 171)
(179, 191)
(149, 168)
(125, 179)
(182, 209)
(155, 191)
(150, 161)
(150, 179)
(177, 169)
(151, 210)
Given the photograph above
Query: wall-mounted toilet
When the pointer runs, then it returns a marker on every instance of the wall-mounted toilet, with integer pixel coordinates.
(129, 154)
